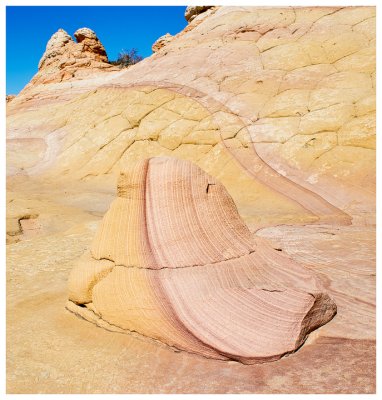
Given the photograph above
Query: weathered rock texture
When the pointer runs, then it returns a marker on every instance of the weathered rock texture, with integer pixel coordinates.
(65, 59)
(174, 261)
(9, 97)
(162, 42)
(193, 11)
(287, 93)
(278, 104)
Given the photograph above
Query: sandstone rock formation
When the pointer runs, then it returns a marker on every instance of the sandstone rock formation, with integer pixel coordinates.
(90, 43)
(55, 48)
(193, 11)
(65, 59)
(9, 97)
(278, 104)
(239, 85)
(162, 42)
(173, 260)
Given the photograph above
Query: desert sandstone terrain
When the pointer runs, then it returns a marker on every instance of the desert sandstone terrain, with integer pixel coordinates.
(275, 104)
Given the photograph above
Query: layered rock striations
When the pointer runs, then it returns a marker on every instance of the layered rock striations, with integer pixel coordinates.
(174, 261)
(287, 93)
(277, 104)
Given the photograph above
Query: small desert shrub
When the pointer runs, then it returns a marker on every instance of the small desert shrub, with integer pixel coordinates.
(127, 58)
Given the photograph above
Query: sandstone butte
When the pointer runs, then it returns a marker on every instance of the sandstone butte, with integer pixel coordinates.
(277, 107)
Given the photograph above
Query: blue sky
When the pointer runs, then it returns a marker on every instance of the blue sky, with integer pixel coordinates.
(29, 29)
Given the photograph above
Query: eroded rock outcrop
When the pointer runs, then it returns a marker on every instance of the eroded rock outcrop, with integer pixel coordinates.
(9, 97)
(161, 42)
(91, 44)
(66, 59)
(174, 261)
(193, 11)
(288, 91)
(55, 48)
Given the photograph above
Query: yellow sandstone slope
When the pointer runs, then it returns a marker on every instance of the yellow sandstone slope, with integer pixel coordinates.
(242, 92)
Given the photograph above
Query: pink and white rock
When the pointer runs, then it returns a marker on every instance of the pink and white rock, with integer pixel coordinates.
(173, 260)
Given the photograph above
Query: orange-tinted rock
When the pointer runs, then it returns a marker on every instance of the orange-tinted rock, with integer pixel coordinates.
(90, 44)
(64, 58)
(9, 97)
(162, 42)
(193, 11)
